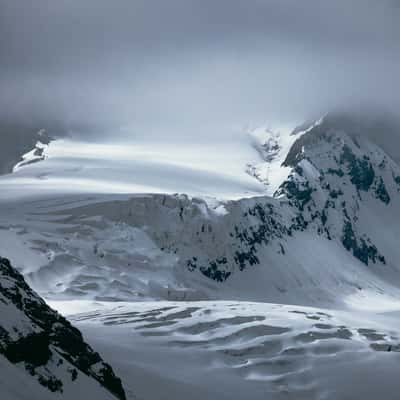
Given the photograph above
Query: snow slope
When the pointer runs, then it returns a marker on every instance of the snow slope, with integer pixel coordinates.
(162, 246)
(214, 169)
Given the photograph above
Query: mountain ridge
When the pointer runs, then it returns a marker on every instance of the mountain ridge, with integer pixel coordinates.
(141, 246)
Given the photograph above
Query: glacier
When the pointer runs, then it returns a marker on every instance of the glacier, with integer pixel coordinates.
(268, 263)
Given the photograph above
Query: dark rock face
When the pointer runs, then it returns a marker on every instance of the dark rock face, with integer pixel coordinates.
(16, 141)
(361, 171)
(300, 194)
(381, 192)
(214, 272)
(43, 340)
(361, 249)
(266, 227)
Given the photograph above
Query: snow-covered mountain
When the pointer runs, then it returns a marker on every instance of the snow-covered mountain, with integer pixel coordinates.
(288, 237)
(327, 234)
(41, 354)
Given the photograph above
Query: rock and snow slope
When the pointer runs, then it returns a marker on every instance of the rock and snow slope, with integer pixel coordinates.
(41, 353)
(330, 231)
(311, 219)
(273, 147)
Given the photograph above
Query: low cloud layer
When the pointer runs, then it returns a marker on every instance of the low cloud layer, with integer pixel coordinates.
(186, 67)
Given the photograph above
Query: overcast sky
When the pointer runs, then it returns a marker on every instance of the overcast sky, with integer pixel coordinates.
(190, 66)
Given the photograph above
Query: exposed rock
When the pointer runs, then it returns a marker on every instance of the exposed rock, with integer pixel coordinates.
(34, 336)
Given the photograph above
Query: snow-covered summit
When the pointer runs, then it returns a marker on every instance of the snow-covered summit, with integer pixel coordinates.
(273, 146)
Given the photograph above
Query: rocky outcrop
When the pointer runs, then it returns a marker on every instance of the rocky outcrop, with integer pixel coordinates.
(16, 141)
(38, 339)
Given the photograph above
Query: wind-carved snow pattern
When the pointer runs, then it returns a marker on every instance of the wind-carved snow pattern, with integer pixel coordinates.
(272, 351)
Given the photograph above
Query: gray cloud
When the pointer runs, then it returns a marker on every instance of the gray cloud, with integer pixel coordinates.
(186, 66)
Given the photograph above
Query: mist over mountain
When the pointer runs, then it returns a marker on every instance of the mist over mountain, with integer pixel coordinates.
(181, 67)
(207, 192)
(273, 254)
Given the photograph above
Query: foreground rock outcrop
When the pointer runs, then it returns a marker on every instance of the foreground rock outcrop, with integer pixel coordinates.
(35, 338)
